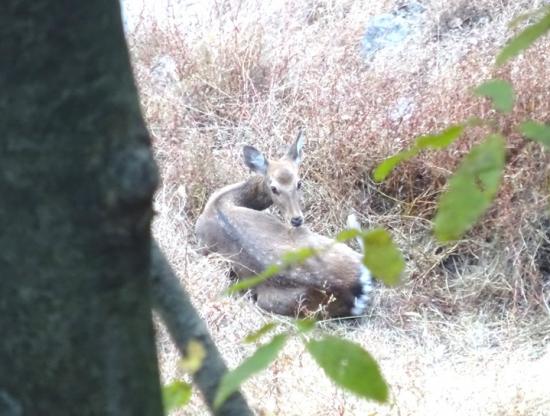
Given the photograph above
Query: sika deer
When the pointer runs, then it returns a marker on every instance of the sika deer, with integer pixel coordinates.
(233, 224)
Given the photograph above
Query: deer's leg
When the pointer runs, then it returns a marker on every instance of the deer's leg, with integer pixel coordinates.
(290, 301)
(232, 274)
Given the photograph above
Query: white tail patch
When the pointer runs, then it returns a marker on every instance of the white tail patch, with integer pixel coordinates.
(361, 302)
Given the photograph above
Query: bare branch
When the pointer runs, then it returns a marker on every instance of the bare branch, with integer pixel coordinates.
(184, 324)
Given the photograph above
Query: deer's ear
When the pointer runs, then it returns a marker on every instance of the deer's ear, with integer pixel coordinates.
(255, 160)
(295, 150)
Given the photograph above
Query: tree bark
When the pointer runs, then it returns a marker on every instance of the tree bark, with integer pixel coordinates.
(76, 183)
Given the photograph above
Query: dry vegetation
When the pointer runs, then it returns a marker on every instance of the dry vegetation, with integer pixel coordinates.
(468, 330)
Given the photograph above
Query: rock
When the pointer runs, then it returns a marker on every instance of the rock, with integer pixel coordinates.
(391, 29)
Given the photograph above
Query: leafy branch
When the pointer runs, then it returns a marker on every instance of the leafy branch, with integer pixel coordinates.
(346, 363)
(475, 183)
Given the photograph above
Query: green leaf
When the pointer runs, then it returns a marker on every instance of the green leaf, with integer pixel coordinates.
(175, 395)
(475, 121)
(526, 16)
(382, 257)
(385, 168)
(261, 358)
(536, 131)
(305, 325)
(349, 366)
(256, 335)
(432, 141)
(270, 271)
(194, 357)
(288, 259)
(471, 189)
(347, 234)
(522, 41)
(440, 140)
(500, 92)
(297, 256)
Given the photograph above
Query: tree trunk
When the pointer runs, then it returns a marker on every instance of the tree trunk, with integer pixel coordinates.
(76, 183)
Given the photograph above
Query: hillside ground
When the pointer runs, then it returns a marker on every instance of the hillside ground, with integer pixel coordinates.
(468, 330)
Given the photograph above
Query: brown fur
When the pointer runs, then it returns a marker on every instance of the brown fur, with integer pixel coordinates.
(233, 225)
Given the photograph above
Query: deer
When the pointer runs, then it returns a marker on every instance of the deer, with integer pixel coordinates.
(234, 223)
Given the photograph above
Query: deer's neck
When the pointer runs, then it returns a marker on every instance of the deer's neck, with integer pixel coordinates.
(251, 194)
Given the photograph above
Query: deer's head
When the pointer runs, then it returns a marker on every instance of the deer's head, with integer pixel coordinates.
(281, 178)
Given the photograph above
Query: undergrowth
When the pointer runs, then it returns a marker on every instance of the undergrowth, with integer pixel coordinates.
(246, 74)
(470, 317)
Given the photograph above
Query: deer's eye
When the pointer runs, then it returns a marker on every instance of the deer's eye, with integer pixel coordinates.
(299, 185)
(274, 190)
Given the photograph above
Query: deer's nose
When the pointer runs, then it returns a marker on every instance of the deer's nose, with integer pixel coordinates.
(296, 221)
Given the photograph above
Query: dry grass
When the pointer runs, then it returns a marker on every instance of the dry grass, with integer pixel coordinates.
(469, 317)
